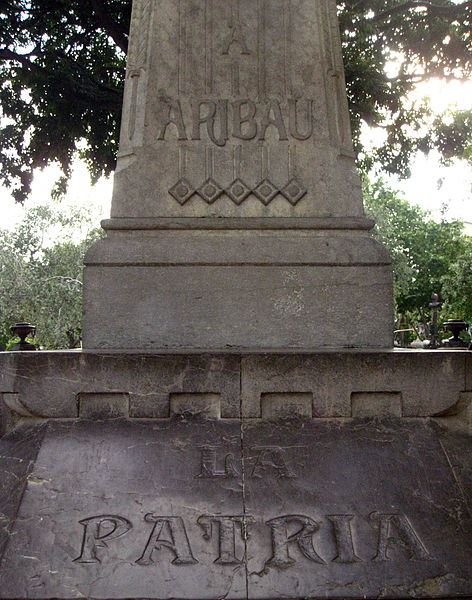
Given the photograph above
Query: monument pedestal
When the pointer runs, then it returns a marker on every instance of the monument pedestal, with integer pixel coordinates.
(237, 218)
(301, 283)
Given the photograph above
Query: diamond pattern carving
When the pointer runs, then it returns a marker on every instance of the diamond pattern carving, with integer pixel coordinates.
(182, 191)
(293, 191)
(210, 191)
(238, 191)
(266, 191)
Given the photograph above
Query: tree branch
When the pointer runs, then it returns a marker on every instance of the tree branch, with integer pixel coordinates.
(419, 77)
(78, 84)
(106, 21)
(23, 59)
(68, 279)
(451, 10)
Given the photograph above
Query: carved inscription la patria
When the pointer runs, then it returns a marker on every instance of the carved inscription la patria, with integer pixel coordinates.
(293, 537)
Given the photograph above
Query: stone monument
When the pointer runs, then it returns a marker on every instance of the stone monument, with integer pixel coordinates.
(217, 439)
(237, 209)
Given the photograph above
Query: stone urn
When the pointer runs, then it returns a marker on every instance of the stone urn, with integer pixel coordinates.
(455, 326)
(23, 330)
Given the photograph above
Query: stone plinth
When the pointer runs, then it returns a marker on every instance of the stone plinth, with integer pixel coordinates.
(409, 384)
(237, 217)
(240, 476)
(236, 289)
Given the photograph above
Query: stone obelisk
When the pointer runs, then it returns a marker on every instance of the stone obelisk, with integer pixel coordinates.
(237, 217)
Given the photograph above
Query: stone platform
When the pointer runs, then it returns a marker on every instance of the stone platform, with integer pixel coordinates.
(334, 475)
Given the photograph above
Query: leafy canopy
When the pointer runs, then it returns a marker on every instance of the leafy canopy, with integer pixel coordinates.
(43, 283)
(428, 256)
(62, 69)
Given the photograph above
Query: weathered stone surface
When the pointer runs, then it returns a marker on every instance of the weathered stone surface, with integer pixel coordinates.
(422, 383)
(237, 209)
(89, 526)
(103, 406)
(468, 371)
(238, 247)
(354, 510)
(207, 405)
(18, 451)
(276, 406)
(376, 404)
(219, 307)
(49, 383)
(457, 448)
(212, 508)
(235, 109)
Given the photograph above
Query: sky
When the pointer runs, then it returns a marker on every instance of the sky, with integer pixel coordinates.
(431, 185)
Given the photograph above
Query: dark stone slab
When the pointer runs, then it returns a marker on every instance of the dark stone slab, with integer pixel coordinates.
(120, 510)
(355, 509)
(458, 449)
(18, 451)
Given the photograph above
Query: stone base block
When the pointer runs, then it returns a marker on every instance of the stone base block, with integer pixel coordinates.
(326, 385)
(251, 290)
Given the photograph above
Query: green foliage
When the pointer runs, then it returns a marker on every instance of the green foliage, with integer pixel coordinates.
(61, 79)
(422, 40)
(458, 282)
(428, 256)
(43, 285)
(62, 70)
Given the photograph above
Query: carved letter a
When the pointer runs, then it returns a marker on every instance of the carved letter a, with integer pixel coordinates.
(177, 541)
(236, 36)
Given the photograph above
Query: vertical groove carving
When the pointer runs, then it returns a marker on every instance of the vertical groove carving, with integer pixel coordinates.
(261, 50)
(209, 46)
(182, 58)
(340, 85)
(143, 43)
(138, 56)
(336, 100)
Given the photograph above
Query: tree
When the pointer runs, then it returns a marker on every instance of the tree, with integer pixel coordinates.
(457, 286)
(40, 284)
(427, 256)
(62, 67)
(423, 40)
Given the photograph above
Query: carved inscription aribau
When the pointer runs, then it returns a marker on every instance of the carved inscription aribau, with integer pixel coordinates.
(242, 119)
(294, 539)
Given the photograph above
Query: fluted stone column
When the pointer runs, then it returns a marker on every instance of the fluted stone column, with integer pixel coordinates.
(237, 217)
